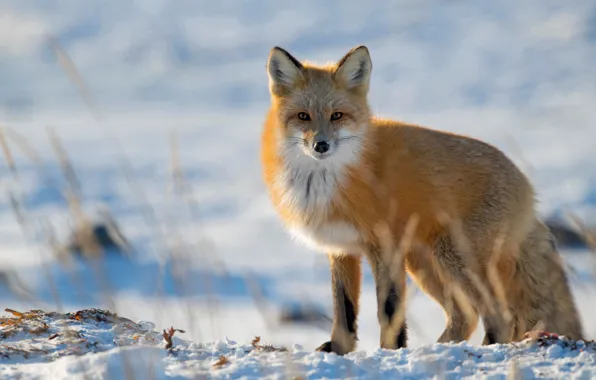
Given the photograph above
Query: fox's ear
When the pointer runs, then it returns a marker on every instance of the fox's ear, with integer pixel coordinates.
(283, 69)
(354, 69)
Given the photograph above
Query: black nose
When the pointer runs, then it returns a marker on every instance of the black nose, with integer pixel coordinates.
(321, 146)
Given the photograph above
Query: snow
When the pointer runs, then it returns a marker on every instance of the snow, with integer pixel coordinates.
(98, 344)
(182, 89)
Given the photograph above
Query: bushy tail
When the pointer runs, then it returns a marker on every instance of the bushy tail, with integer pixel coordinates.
(541, 297)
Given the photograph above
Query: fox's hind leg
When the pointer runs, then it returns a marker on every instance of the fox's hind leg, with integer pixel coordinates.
(501, 287)
(460, 274)
(461, 315)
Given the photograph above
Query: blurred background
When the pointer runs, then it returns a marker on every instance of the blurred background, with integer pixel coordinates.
(138, 122)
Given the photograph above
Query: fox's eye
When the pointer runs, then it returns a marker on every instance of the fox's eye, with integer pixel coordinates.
(303, 116)
(336, 116)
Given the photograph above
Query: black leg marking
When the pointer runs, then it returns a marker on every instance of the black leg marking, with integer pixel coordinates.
(490, 337)
(390, 303)
(350, 315)
(308, 182)
(402, 337)
(389, 309)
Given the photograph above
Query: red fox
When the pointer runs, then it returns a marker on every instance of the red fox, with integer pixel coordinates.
(352, 185)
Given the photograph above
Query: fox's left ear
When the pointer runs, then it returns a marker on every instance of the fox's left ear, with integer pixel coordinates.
(354, 69)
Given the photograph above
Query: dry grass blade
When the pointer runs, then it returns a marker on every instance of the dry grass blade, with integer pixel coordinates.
(261, 303)
(462, 300)
(84, 233)
(73, 74)
(137, 189)
(86, 95)
(73, 196)
(21, 218)
(84, 91)
(21, 142)
(514, 372)
(181, 187)
(464, 248)
(588, 235)
(83, 228)
(7, 154)
(493, 275)
(395, 257)
(67, 169)
(210, 256)
(176, 168)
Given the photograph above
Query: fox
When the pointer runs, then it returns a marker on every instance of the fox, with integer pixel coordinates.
(452, 212)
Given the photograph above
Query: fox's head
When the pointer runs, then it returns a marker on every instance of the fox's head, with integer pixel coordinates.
(322, 111)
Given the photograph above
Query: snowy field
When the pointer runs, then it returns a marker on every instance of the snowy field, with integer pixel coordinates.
(182, 91)
(96, 344)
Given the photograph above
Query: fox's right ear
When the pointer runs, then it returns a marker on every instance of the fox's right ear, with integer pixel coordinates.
(284, 70)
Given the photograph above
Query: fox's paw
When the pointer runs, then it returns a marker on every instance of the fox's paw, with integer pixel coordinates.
(537, 334)
(331, 347)
(325, 347)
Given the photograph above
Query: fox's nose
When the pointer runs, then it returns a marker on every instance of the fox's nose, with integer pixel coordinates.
(321, 146)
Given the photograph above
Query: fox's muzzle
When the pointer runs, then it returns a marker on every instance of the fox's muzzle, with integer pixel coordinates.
(321, 142)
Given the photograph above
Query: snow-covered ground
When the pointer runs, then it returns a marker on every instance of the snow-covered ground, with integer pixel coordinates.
(97, 344)
(210, 256)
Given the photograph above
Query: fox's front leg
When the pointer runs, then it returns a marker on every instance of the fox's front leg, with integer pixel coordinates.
(345, 283)
(390, 280)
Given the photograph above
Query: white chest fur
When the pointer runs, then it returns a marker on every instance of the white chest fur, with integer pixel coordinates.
(308, 185)
(329, 237)
(308, 188)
